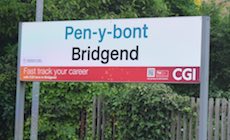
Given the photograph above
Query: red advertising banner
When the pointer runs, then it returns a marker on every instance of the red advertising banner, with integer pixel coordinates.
(112, 74)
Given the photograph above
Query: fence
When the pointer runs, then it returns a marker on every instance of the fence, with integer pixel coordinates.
(183, 126)
(186, 127)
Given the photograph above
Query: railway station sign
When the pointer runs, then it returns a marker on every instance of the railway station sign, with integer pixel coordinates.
(161, 50)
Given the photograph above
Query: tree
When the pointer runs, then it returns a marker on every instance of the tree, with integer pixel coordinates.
(7, 91)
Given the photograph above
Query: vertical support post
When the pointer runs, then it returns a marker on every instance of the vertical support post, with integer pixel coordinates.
(39, 10)
(36, 85)
(19, 113)
(204, 79)
(20, 97)
(35, 111)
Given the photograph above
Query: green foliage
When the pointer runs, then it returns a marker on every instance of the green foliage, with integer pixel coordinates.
(220, 46)
(182, 8)
(143, 112)
(11, 13)
(7, 91)
(60, 108)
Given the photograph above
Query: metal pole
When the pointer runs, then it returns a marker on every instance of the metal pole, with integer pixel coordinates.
(20, 97)
(204, 80)
(19, 113)
(35, 111)
(39, 10)
(36, 85)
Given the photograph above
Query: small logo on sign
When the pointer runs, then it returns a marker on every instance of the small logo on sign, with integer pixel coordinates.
(157, 74)
(151, 72)
(187, 74)
(162, 73)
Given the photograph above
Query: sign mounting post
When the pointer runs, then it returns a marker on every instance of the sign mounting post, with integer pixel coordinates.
(204, 80)
(36, 85)
(20, 97)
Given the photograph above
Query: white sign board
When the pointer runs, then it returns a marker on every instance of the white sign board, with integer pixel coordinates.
(164, 50)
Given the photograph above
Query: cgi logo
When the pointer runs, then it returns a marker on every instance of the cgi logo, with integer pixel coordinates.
(187, 74)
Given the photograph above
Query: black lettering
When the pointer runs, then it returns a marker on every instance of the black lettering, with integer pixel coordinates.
(75, 54)
(83, 52)
(134, 54)
(126, 54)
(95, 52)
(114, 54)
(105, 56)
(88, 53)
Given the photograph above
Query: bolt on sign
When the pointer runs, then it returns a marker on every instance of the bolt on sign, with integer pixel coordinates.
(162, 50)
